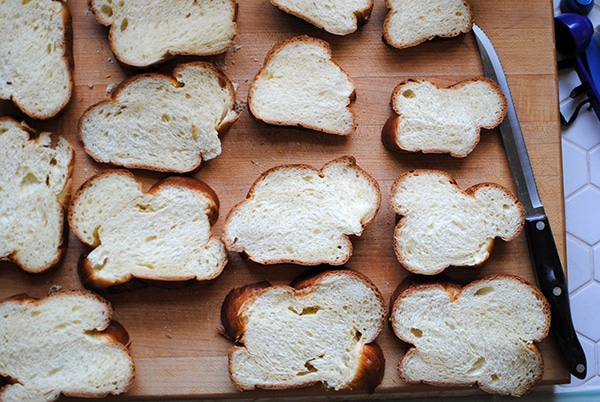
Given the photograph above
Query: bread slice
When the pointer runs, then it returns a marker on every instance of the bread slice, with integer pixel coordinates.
(302, 215)
(35, 181)
(412, 22)
(431, 119)
(320, 329)
(338, 18)
(147, 32)
(443, 226)
(163, 234)
(300, 85)
(65, 344)
(36, 59)
(162, 123)
(483, 333)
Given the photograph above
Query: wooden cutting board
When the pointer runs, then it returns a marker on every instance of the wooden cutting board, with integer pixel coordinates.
(175, 332)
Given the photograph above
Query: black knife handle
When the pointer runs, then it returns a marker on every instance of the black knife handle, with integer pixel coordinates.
(553, 285)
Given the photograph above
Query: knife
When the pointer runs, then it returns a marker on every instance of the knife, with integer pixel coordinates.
(542, 248)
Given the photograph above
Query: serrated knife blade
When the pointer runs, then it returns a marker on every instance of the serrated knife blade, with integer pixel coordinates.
(544, 255)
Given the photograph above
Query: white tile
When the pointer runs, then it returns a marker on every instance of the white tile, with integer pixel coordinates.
(594, 162)
(585, 131)
(575, 167)
(596, 266)
(582, 215)
(583, 302)
(579, 263)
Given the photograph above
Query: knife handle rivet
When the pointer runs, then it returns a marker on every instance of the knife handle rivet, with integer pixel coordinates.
(540, 225)
(556, 291)
(580, 368)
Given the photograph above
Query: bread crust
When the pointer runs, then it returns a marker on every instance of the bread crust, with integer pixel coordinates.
(350, 161)
(388, 40)
(123, 85)
(62, 199)
(67, 56)
(86, 271)
(361, 17)
(390, 131)
(111, 331)
(273, 53)
(170, 53)
(471, 191)
(370, 371)
(413, 285)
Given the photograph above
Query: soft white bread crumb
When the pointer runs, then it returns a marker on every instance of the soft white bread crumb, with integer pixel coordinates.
(336, 17)
(412, 22)
(163, 123)
(320, 330)
(443, 226)
(300, 85)
(65, 343)
(162, 235)
(481, 334)
(147, 32)
(35, 179)
(431, 119)
(36, 64)
(298, 214)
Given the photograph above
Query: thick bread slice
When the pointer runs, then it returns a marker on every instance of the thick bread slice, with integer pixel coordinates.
(35, 181)
(339, 18)
(412, 22)
(160, 235)
(300, 85)
(298, 214)
(147, 32)
(481, 334)
(442, 226)
(64, 343)
(320, 329)
(162, 123)
(431, 119)
(36, 60)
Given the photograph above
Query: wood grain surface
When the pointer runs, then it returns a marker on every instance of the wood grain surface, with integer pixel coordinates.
(175, 332)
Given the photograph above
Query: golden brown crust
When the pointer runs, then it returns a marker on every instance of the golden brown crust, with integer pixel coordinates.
(270, 55)
(372, 360)
(390, 42)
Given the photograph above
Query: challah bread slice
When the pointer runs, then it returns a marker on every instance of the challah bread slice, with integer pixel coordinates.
(412, 22)
(65, 344)
(302, 215)
(300, 85)
(147, 32)
(35, 181)
(338, 18)
(163, 234)
(36, 60)
(162, 123)
(482, 334)
(320, 329)
(431, 119)
(443, 226)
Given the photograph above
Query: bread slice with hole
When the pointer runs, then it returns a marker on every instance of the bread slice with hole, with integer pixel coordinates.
(162, 123)
(321, 329)
(302, 215)
(144, 33)
(484, 333)
(300, 85)
(431, 119)
(442, 225)
(36, 56)
(338, 18)
(412, 22)
(65, 343)
(35, 182)
(159, 235)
